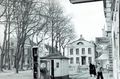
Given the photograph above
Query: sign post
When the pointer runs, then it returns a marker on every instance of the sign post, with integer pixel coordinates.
(35, 62)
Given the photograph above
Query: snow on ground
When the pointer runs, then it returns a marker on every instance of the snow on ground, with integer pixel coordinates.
(12, 75)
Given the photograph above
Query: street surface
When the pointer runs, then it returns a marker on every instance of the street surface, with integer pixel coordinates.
(85, 75)
(29, 75)
(12, 75)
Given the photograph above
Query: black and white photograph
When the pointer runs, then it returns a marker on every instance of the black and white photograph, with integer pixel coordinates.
(59, 39)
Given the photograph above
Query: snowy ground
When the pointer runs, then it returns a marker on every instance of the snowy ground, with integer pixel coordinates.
(29, 75)
(12, 75)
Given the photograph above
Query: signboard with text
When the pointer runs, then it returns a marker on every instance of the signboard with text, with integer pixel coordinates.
(82, 1)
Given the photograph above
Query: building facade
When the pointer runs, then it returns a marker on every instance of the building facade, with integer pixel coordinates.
(103, 51)
(81, 53)
(108, 16)
(115, 39)
(111, 10)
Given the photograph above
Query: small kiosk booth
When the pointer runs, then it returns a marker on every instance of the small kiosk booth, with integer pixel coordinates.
(56, 66)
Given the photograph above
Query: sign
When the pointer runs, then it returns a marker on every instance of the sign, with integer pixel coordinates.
(82, 1)
(102, 40)
(43, 63)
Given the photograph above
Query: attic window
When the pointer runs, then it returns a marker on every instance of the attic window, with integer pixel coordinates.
(80, 43)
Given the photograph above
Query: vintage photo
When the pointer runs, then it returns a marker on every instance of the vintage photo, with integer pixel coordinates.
(59, 39)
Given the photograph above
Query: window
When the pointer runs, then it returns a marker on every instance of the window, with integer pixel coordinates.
(89, 50)
(83, 50)
(71, 51)
(12, 44)
(12, 51)
(77, 60)
(71, 60)
(90, 59)
(108, 5)
(83, 60)
(80, 43)
(108, 9)
(77, 51)
(108, 14)
(57, 65)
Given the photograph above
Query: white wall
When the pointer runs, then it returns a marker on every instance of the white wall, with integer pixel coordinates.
(115, 41)
(86, 46)
(63, 67)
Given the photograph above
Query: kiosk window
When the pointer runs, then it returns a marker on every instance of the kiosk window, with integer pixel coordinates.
(57, 65)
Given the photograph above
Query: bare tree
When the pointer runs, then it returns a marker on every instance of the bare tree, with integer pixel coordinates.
(5, 58)
(3, 6)
(66, 36)
(29, 21)
(61, 30)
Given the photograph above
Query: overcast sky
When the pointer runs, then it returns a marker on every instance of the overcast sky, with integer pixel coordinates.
(88, 18)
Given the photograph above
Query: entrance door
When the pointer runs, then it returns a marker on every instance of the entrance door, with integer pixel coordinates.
(83, 60)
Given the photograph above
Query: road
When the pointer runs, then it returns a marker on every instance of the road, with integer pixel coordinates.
(85, 75)
(12, 75)
(29, 75)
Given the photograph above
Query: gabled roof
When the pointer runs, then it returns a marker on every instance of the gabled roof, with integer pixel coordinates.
(80, 39)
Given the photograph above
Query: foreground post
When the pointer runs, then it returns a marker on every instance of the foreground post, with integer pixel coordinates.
(35, 62)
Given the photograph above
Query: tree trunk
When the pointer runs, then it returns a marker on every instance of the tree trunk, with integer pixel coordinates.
(9, 65)
(63, 51)
(2, 59)
(18, 56)
(56, 47)
(3, 48)
(17, 61)
(22, 57)
(8, 48)
(59, 43)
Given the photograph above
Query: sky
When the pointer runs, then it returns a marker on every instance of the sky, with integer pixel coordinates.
(88, 18)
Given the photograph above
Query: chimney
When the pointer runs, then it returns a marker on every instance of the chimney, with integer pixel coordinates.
(81, 37)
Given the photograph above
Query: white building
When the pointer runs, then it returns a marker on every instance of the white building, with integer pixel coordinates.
(111, 8)
(115, 39)
(80, 52)
(59, 64)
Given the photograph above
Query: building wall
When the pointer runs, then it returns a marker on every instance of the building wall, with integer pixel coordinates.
(108, 15)
(61, 69)
(115, 39)
(112, 14)
(74, 66)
